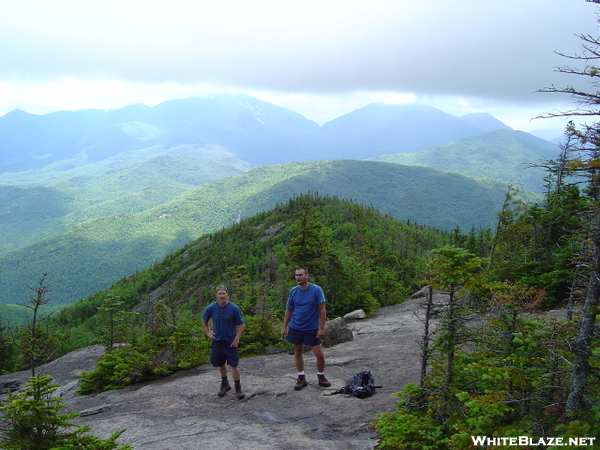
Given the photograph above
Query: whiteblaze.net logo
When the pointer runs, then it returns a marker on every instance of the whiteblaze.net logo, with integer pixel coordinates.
(530, 441)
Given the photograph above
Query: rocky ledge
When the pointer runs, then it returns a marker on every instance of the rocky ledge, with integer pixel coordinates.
(183, 411)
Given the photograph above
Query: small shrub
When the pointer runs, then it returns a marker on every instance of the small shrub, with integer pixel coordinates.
(34, 422)
(119, 368)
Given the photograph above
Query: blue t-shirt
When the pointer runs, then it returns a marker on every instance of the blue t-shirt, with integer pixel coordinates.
(305, 306)
(225, 320)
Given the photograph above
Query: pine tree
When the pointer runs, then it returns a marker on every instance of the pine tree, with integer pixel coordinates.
(588, 136)
(34, 421)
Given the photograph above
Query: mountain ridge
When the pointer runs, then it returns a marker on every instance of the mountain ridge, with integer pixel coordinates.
(109, 248)
(501, 155)
(253, 130)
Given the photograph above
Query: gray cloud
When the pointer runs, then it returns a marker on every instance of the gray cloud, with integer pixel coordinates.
(501, 51)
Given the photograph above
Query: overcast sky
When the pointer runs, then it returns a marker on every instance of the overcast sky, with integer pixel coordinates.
(321, 58)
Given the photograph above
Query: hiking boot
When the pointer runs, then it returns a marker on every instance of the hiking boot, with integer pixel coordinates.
(238, 391)
(323, 381)
(301, 382)
(224, 388)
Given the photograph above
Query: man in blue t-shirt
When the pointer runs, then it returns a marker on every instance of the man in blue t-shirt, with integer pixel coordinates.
(227, 328)
(304, 324)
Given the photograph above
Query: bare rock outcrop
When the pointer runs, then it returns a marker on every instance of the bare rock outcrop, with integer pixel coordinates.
(183, 411)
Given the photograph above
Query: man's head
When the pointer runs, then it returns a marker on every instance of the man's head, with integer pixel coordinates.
(222, 295)
(301, 276)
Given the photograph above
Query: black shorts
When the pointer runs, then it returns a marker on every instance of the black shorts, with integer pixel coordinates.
(223, 353)
(308, 338)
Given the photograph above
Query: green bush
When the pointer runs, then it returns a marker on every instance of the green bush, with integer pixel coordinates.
(121, 367)
(510, 378)
(410, 429)
(34, 422)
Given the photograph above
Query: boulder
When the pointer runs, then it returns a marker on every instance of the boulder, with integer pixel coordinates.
(336, 332)
(10, 386)
(423, 292)
(271, 350)
(355, 315)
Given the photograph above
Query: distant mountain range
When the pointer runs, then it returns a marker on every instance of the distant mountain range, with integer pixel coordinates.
(94, 195)
(252, 130)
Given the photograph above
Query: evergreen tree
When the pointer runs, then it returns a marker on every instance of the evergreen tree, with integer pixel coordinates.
(452, 268)
(309, 243)
(588, 136)
(113, 321)
(34, 422)
(7, 350)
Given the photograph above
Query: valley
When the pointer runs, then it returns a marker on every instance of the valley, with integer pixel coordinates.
(81, 188)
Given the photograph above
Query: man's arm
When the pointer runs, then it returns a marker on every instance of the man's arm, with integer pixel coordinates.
(286, 322)
(322, 320)
(238, 335)
(209, 333)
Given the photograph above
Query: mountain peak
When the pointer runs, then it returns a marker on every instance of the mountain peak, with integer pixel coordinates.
(485, 121)
(253, 130)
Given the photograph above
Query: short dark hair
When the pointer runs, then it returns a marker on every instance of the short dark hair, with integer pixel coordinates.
(302, 268)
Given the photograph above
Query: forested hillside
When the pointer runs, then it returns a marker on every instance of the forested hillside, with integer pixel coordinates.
(91, 196)
(503, 155)
(94, 254)
(39, 204)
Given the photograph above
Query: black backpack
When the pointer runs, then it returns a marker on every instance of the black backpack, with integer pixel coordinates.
(361, 385)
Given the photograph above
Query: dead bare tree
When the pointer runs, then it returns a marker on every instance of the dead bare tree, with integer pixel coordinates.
(36, 345)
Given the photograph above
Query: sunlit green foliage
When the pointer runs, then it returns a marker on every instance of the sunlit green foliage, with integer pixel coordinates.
(495, 155)
(34, 421)
(511, 378)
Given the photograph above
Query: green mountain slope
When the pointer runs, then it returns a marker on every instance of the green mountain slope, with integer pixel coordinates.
(359, 256)
(131, 183)
(94, 254)
(501, 155)
(29, 214)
